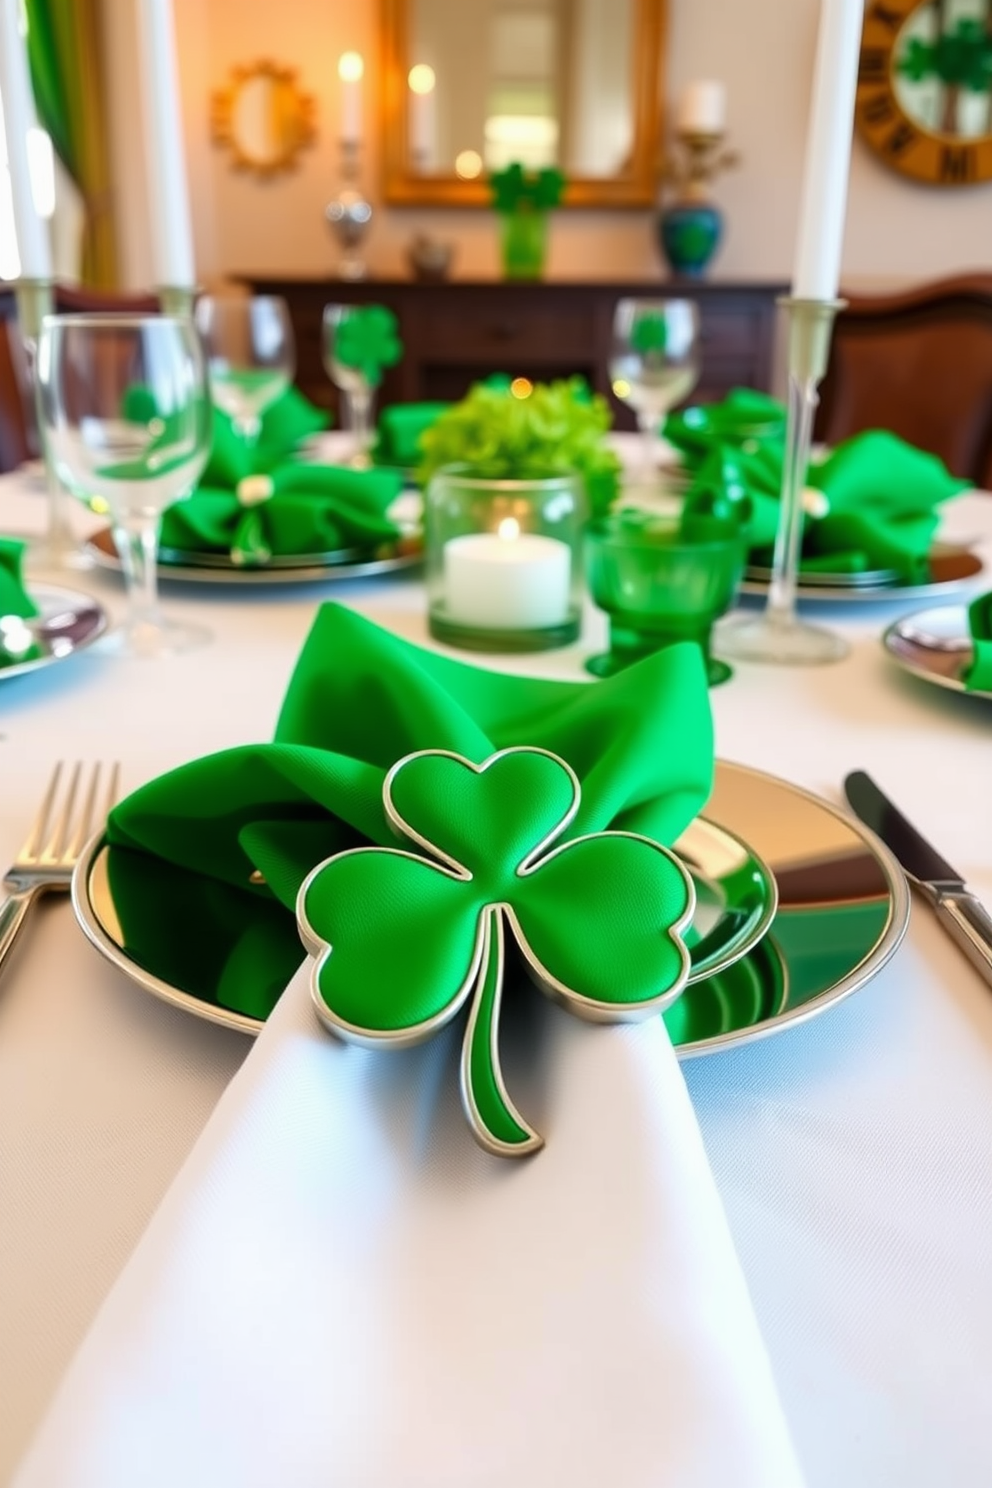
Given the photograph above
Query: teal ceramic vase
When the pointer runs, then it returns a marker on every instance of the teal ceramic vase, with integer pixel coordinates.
(690, 234)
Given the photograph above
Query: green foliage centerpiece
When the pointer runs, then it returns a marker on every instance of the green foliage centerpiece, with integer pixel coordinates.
(510, 475)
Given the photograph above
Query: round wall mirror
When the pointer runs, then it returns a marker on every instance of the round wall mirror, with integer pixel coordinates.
(263, 118)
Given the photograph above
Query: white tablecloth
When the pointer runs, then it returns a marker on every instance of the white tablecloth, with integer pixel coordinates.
(852, 1154)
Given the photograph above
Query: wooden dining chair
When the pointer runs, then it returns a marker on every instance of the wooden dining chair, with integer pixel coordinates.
(920, 364)
(18, 428)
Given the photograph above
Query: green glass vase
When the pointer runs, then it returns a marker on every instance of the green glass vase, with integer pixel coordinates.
(524, 242)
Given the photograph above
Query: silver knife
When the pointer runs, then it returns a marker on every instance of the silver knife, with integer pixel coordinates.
(963, 916)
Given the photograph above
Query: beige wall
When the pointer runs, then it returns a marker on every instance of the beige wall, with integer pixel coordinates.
(762, 49)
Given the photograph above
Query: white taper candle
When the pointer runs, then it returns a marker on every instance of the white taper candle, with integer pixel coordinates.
(34, 247)
(828, 151)
(165, 157)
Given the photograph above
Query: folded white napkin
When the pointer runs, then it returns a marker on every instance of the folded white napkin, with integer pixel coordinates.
(342, 1288)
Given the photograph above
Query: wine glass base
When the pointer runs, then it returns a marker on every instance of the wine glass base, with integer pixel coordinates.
(43, 556)
(608, 663)
(785, 642)
(150, 641)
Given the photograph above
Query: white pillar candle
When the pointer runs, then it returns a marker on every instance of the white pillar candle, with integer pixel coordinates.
(507, 580)
(34, 247)
(351, 69)
(828, 151)
(165, 157)
(702, 109)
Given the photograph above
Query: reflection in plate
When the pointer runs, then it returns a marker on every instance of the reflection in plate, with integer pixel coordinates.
(950, 567)
(67, 622)
(935, 645)
(843, 906)
(215, 569)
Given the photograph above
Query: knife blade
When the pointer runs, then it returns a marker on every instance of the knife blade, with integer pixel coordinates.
(961, 914)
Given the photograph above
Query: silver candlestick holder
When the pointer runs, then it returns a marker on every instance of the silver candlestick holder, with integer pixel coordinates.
(778, 635)
(349, 215)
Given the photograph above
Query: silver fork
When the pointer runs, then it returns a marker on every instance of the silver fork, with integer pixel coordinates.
(67, 818)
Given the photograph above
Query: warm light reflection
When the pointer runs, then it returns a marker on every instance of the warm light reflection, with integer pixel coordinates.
(621, 387)
(509, 529)
(351, 68)
(468, 164)
(421, 78)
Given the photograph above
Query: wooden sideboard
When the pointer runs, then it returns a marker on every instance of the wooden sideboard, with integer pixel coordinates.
(456, 332)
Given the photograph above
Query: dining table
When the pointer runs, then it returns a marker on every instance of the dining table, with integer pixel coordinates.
(852, 1150)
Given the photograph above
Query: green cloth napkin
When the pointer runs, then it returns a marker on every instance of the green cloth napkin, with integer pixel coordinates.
(400, 428)
(16, 605)
(256, 502)
(743, 416)
(978, 677)
(360, 699)
(286, 423)
(880, 498)
(297, 508)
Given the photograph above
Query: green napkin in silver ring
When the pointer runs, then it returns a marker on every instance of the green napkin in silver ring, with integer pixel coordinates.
(217, 849)
(296, 508)
(875, 507)
(16, 606)
(257, 501)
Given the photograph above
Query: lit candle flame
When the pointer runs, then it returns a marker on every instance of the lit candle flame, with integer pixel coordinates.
(509, 529)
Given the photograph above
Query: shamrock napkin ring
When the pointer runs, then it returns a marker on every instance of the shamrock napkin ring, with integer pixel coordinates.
(402, 940)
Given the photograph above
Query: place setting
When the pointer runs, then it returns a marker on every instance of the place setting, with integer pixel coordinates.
(264, 510)
(949, 646)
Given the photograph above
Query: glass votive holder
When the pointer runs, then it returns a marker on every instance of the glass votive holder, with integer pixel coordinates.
(662, 581)
(504, 560)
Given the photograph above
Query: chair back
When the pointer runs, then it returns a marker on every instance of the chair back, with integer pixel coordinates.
(920, 364)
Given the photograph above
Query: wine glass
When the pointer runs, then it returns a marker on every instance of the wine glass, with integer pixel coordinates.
(248, 344)
(654, 364)
(359, 394)
(125, 417)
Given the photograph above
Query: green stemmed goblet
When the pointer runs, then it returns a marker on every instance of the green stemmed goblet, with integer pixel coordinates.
(662, 580)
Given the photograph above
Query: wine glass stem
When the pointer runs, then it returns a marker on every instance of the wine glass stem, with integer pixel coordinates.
(649, 423)
(137, 543)
(803, 400)
(360, 421)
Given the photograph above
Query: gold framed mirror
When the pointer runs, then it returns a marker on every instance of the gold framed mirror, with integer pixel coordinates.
(263, 118)
(467, 88)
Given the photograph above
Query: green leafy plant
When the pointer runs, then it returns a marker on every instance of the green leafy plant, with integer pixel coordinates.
(556, 428)
(516, 189)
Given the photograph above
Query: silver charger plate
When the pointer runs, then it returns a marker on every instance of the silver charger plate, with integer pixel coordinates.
(66, 624)
(838, 911)
(934, 645)
(310, 568)
(951, 568)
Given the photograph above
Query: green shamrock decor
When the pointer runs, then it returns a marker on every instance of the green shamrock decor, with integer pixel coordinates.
(367, 341)
(649, 333)
(403, 940)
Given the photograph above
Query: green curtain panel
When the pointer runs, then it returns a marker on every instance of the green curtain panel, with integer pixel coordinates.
(67, 76)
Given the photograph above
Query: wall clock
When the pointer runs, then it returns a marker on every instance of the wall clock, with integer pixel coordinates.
(924, 99)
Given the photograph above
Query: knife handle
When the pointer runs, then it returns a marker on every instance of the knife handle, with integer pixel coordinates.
(968, 922)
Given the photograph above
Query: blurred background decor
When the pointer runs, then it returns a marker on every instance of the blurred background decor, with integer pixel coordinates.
(523, 199)
(263, 118)
(691, 226)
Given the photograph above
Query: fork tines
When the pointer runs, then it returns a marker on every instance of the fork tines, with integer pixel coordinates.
(49, 841)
